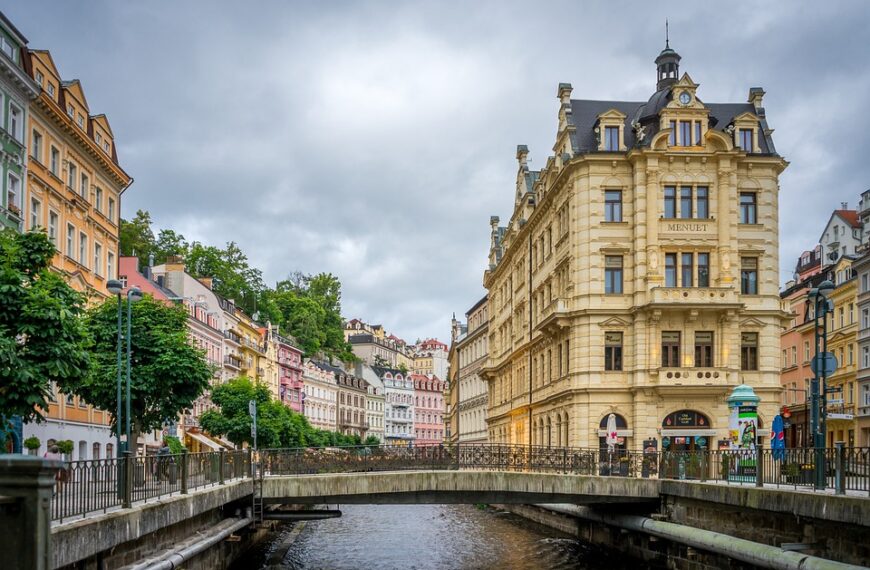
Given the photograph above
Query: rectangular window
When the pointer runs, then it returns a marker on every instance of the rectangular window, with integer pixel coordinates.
(71, 182)
(672, 140)
(686, 202)
(83, 190)
(110, 265)
(35, 213)
(702, 202)
(54, 161)
(13, 191)
(686, 133)
(704, 349)
(36, 145)
(749, 351)
(748, 208)
(98, 199)
(83, 248)
(746, 139)
(51, 89)
(686, 260)
(70, 240)
(611, 138)
(52, 227)
(613, 351)
(806, 351)
(670, 270)
(613, 274)
(613, 206)
(670, 349)
(16, 122)
(111, 209)
(98, 259)
(39, 78)
(749, 275)
(865, 282)
(703, 270)
(670, 202)
(698, 133)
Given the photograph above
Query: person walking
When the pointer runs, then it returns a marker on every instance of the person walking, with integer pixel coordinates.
(163, 456)
(61, 476)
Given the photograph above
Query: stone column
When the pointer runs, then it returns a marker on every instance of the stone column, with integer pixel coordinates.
(26, 484)
(724, 208)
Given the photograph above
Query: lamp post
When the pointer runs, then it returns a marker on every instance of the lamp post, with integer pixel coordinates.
(115, 287)
(819, 295)
(134, 294)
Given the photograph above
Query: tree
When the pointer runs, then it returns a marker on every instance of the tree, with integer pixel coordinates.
(169, 244)
(233, 277)
(168, 373)
(135, 236)
(42, 339)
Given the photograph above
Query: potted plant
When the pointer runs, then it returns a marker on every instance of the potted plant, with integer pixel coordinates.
(65, 446)
(32, 444)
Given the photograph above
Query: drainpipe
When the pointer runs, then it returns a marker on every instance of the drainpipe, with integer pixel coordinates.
(762, 555)
(176, 558)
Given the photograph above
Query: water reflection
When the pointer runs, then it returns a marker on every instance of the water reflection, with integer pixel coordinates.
(427, 537)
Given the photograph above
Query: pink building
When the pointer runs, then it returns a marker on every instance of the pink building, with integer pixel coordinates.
(290, 373)
(428, 410)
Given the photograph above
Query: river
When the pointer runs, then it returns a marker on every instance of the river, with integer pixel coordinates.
(424, 537)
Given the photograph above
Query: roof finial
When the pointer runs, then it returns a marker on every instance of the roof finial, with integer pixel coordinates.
(667, 35)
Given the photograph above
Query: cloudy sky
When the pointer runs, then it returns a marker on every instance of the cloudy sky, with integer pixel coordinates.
(375, 139)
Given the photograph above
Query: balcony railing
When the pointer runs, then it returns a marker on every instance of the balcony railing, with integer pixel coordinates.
(704, 296)
(231, 360)
(232, 337)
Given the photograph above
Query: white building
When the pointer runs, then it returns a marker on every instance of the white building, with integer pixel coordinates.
(375, 400)
(398, 405)
(842, 235)
(320, 396)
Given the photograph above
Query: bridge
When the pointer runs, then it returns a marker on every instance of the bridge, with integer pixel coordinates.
(204, 499)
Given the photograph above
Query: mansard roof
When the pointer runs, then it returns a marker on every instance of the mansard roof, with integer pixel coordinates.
(584, 116)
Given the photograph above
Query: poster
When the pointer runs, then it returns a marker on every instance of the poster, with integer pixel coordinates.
(747, 427)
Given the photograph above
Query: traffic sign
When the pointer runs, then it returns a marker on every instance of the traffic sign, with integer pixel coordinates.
(835, 401)
(824, 363)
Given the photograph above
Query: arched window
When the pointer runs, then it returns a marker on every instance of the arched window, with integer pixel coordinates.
(549, 441)
(96, 451)
(621, 425)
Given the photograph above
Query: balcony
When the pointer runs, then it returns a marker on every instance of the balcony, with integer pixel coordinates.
(261, 372)
(233, 337)
(696, 297)
(690, 376)
(554, 317)
(232, 361)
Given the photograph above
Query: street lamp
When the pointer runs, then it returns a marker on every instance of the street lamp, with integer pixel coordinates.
(822, 306)
(134, 294)
(115, 287)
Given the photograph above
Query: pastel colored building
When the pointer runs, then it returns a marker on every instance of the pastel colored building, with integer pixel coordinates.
(398, 405)
(289, 364)
(471, 390)
(375, 400)
(428, 410)
(321, 396)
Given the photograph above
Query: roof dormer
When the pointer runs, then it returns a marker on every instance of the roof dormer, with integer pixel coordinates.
(685, 116)
(610, 131)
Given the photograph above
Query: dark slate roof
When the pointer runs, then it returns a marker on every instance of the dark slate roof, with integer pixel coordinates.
(584, 116)
(381, 370)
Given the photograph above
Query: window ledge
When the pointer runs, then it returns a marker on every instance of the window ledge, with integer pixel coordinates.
(619, 223)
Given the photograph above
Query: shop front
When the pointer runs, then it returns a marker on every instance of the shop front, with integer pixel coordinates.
(687, 430)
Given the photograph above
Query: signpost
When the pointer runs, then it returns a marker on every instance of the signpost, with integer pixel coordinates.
(824, 364)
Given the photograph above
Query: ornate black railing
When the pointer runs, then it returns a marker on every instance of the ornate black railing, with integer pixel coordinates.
(85, 487)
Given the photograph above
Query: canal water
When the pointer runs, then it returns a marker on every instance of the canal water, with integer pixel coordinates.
(423, 537)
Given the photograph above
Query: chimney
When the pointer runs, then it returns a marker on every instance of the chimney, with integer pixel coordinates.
(756, 94)
(149, 274)
(564, 93)
(174, 263)
(207, 281)
(522, 155)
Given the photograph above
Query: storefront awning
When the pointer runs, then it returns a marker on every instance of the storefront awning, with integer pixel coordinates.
(205, 441)
(619, 433)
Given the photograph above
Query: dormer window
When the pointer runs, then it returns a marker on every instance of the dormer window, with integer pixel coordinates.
(611, 139)
(69, 110)
(745, 140)
(51, 89)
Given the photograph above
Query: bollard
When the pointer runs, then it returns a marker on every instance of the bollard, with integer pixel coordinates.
(221, 466)
(840, 479)
(759, 466)
(184, 471)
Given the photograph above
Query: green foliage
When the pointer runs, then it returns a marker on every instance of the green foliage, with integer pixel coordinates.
(136, 236)
(42, 339)
(168, 373)
(32, 442)
(277, 425)
(65, 446)
(175, 445)
(403, 367)
(371, 441)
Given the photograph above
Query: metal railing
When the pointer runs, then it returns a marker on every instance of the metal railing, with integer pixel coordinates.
(846, 469)
(97, 485)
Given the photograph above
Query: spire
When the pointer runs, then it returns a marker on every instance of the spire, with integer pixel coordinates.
(667, 63)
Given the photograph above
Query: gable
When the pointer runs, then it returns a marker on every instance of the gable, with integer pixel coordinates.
(46, 61)
(74, 88)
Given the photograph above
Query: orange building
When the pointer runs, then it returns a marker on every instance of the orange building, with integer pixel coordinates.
(73, 190)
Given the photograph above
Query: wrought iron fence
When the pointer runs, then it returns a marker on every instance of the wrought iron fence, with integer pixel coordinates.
(84, 487)
(846, 469)
(97, 485)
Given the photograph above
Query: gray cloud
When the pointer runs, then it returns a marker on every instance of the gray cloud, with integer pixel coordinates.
(374, 139)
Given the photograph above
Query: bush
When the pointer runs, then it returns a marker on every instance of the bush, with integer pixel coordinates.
(175, 445)
(32, 442)
(65, 446)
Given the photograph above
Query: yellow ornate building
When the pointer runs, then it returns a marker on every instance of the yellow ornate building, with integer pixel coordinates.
(73, 190)
(843, 343)
(639, 273)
